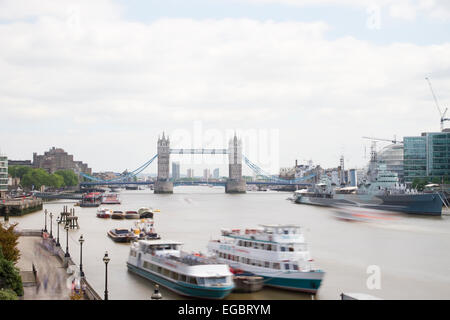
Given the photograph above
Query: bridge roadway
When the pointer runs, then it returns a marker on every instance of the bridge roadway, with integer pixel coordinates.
(70, 196)
(192, 183)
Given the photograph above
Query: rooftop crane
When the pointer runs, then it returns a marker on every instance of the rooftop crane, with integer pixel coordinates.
(442, 114)
(388, 140)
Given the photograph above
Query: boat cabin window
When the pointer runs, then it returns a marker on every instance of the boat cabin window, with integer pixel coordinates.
(201, 281)
(267, 264)
(286, 266)
(182, 278)
(215, 281)
(283, 249)
(192, 280)
(295, 267)
(276, 266)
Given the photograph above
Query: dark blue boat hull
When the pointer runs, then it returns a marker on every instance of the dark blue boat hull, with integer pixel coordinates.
(422, 204)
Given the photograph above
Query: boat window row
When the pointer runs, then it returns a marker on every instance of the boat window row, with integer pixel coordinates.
(295, 247)
(293, 230)
(258, 263)
(153, 249)
(210, 281)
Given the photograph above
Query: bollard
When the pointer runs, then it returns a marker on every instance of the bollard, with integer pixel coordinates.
(156, 295)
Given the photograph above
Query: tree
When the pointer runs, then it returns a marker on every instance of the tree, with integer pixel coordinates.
(8, 242)
(9, 276)
(8, 294)
(419, 184)
(55, 180)
(19, 171)
(70, 178)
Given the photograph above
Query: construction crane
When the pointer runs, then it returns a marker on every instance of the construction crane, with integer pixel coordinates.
(442, 114)
(395, 141)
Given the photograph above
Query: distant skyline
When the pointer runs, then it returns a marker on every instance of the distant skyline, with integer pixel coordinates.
(102, 79)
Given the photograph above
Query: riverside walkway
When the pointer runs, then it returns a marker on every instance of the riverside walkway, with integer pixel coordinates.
(51, 276)
(46, 274)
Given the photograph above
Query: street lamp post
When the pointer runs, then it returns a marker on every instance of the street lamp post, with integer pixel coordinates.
(67, 241)
(45, 227)
(106, 259)
(58, 221)
(81, 240)
(51, 225)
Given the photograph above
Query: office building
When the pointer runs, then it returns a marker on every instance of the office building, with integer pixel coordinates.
(3, 176)
(206, 174)
(427, 156)
(175, 170)
(216, 173)
(392, 156)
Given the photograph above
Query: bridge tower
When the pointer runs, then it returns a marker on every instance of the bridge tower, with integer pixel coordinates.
(235, 183)
(163, 183)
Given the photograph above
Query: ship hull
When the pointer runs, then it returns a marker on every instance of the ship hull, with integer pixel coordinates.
(185, 289)
(422, 204)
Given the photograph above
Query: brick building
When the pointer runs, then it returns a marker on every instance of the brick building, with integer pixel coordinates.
(57, 159)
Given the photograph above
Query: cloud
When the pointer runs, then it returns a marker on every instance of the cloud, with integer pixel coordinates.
(402, 9)
(136, 79)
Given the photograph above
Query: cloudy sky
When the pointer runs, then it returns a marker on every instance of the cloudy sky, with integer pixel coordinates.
(304, 79)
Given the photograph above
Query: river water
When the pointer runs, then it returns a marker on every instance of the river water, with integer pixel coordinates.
(411, 252)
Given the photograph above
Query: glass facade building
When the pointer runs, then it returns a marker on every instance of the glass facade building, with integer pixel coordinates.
(392, 156)
(175, 170)
(427, 156)
(3, 176)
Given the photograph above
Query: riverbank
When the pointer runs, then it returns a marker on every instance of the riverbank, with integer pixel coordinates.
(19, 207)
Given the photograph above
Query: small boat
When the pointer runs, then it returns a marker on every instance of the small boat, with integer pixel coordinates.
(91, 200)
(103, 213)
(358, 296)
(145, 230)
(111, 198)
(186, 274)
(118, 215)
(121, 235)
(131, 215)
(145, 213)
(248, 283)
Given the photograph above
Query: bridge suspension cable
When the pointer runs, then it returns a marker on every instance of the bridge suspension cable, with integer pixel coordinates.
(127, 176)
(273, 178)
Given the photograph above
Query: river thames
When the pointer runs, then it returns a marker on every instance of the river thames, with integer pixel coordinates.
(412, 252)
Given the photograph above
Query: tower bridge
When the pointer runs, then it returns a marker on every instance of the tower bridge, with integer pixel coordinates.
(234, 184)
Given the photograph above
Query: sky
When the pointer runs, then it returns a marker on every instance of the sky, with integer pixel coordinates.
(294, 79)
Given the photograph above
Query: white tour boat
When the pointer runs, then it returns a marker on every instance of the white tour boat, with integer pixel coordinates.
(276, 252)
(186, 274)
